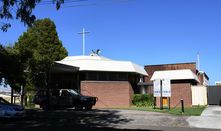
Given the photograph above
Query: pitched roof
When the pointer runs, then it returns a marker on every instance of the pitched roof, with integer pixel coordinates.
(186, 74)
(99, 63)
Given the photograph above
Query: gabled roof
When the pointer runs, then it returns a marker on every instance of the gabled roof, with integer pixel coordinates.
(99, 63)
(186, 74)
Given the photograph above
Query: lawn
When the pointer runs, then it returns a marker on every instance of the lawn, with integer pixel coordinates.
(191, 111)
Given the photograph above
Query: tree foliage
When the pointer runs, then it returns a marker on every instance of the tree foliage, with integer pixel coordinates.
(12, 66)
(42, 44)
(20, 9)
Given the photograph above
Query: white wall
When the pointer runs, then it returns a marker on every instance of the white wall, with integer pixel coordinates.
(199, 95)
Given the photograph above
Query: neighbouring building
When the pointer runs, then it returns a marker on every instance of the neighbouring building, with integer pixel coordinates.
(218, 83)
(113, 82)
(186, 81)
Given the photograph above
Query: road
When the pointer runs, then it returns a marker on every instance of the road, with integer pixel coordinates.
(99, 120)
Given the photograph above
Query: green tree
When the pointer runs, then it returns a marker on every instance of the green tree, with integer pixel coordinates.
(42, 42)
(11, 67)
(22, 10)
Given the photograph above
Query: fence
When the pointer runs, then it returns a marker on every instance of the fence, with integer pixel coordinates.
(199, 95)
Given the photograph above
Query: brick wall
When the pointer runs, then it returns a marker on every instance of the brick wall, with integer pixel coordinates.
(110, 93)
(150, 69)
(179, 91)
(201, 79)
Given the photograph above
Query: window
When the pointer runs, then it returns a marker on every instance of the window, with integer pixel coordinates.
(103, 76)
(122, 76)
(107, 76)
(92, 76)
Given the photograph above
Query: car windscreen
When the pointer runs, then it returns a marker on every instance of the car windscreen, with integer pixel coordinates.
(73, 92)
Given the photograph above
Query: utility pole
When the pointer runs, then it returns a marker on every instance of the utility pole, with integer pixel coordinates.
(198, 61)
(83, 41)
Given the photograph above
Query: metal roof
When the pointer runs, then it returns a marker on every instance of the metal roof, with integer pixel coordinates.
(186, 74)
(99, 63)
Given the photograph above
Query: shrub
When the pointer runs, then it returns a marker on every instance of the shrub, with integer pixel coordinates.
(143, 100)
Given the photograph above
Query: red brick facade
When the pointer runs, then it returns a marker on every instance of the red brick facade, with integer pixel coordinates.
(179, 91)
(150, 69)
(110, 93)
(201, 78)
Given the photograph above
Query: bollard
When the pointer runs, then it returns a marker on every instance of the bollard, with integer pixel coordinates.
(169, 102)
(154, 104)
(182, 105)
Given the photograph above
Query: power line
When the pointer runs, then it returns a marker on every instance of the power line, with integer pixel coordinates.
(71, 6)
(65, 2)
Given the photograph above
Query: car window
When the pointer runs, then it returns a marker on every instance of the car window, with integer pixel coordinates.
(65, 93)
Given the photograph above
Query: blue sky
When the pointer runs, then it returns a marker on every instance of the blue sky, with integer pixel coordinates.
(143, 31)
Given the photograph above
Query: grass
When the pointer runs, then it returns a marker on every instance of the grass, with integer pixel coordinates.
(190, 111)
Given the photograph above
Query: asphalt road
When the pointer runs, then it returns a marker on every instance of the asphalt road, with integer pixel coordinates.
(107, 120)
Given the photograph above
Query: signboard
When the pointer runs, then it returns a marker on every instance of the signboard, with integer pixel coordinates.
(156, 88)
(166, 88)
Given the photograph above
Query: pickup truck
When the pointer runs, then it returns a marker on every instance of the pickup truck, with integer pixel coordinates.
(63, 98)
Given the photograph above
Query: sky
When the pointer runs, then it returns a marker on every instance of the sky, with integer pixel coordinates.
(143, 31)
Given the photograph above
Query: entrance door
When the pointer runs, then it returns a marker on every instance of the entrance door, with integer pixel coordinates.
(165, 101)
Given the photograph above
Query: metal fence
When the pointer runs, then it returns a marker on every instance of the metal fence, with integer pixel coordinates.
(214, 95)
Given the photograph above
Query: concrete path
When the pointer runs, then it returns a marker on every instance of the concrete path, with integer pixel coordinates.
(210, 118)
(214, 111)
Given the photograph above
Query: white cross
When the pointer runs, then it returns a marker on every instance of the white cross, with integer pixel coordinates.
(83, 35)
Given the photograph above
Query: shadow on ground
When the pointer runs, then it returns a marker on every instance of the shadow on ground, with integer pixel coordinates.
(66, 120)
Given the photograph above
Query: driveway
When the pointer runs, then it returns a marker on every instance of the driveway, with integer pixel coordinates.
(210, 118)
(144, 118)
(99, 120)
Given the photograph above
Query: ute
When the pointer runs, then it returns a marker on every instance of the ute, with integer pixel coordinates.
(63, 98)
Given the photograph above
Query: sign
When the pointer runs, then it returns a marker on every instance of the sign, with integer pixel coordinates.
(156, 88)
(166, 88)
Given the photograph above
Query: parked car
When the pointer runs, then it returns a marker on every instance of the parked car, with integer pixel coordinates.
(8, 110)
(63, 98)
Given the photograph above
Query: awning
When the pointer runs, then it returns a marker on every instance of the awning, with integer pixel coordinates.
(186, 74)
(145, 84)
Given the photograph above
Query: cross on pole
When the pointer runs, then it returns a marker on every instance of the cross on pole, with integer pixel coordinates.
(83, 42)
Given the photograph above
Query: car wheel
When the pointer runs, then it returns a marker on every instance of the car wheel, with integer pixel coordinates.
(45, 107)
(78, 107)
(88, 107)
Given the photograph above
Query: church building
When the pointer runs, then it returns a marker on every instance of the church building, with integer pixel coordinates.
(112, 81)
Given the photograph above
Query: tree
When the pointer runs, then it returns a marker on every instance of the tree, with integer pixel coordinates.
(42, 42)
(23, 11)
(11, 67)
